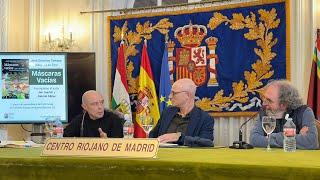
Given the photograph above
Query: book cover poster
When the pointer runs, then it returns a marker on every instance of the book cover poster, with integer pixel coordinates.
(15, 79)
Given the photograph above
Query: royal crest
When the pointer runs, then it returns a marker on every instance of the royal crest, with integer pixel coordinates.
(144, 97)
(192, 60)
(250, 40)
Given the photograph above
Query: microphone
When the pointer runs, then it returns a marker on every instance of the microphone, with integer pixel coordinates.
(82, 121)
(242, 144)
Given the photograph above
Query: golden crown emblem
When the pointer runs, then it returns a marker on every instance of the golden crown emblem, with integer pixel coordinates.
(171, 44)
(212, 41)
(190, 35)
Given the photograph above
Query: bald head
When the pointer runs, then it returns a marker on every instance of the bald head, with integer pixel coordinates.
(92, 103)
(89, 94)
(183, 94)
(186, 85)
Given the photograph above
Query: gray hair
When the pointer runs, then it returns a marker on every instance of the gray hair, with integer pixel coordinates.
(288, 94)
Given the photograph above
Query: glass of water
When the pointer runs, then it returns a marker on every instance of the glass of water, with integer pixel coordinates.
(268, 125)
(147, 124)
(49, 129)
(3, 134)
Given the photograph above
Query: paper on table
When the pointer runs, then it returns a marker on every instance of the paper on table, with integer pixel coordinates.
(168, 145)
(19, 144)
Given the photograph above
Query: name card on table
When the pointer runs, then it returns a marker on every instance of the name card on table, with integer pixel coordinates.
(101, 147)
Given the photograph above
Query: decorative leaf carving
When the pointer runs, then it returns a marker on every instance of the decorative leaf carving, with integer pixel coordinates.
(216, 20)
(261, 69)
(237, 22)
(117, 34)
(131, 39)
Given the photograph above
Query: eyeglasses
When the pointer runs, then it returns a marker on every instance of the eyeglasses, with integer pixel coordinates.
(266, 100)
(175, 93)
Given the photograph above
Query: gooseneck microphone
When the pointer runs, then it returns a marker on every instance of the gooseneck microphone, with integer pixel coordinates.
(242, 144)
(82, 121)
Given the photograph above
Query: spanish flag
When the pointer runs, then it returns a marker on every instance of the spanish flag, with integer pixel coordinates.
(314, 85)
(147, 109)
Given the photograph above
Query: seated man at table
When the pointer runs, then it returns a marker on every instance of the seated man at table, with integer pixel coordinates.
(95, 121)
(184, 123)
(281, 98)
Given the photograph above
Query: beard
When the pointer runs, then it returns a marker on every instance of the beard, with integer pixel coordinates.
(276, 113)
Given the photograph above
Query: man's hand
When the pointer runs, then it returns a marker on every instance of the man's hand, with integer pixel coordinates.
(304, 130)
(102, 134)
(170, 137)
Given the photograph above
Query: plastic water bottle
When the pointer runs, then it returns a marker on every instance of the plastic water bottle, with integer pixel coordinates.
(128, 128)
(58, 129)
(289, 134)
(3, 134)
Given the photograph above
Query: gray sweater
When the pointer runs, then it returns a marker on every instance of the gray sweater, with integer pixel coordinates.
(308, 141)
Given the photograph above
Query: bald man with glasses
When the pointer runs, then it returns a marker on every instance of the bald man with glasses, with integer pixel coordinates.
(183, 123)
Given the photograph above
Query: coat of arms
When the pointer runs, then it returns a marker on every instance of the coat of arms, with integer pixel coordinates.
(192, 60)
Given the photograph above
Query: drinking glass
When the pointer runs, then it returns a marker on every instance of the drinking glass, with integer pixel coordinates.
(3, 134)
(268, 125)
(147, 124)
(48, 128)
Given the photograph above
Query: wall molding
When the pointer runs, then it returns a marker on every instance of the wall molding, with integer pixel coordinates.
(41, 24)
(4, 19)
(301, 43)
(98, 45)
(33, 28)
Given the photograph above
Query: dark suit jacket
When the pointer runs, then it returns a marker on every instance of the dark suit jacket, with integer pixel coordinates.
(199, 130)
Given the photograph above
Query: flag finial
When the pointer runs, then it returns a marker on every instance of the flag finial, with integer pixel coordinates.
(122, 34)
(166, 38)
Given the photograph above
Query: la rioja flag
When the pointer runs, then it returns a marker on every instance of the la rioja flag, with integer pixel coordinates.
(314, 85)
(120, 95)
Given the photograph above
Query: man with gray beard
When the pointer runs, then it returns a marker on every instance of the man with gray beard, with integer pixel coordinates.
(281, 98)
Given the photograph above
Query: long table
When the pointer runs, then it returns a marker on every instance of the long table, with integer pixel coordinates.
(171, 163)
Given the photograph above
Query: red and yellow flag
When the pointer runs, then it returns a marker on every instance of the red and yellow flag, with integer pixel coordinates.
(314, 85)
(147, 113)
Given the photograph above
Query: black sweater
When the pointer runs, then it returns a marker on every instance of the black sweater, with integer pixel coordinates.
(110, 123)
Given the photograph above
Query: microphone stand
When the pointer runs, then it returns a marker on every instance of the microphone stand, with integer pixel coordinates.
(242, 144)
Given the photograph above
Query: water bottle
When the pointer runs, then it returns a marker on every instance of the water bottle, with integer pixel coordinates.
(3, 134)
(128, 128)
(289, 134)
(58, 129)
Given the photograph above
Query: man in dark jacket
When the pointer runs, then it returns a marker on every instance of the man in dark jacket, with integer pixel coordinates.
(95, 121)
(183, 123)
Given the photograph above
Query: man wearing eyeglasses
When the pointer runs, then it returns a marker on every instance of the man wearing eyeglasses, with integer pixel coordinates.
(281, 98)
(95, 121)
(183, 123)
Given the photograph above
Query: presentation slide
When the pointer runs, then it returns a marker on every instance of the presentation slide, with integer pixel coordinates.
(33, 87)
